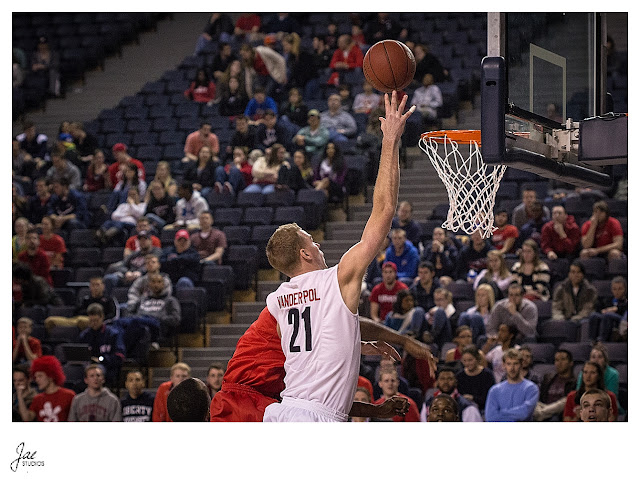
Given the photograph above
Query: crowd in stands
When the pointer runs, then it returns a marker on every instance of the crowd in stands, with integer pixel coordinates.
(108, 241)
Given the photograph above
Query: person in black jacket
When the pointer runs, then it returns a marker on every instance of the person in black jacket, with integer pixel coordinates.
(31, 290)
(202, 173)
(603, 325)
(555, 387)
(181, 262)
(233, 97)
(160, 206)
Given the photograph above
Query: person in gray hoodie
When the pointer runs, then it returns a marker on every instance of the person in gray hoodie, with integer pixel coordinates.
(158, 304)
(140, 286)
(96, 403)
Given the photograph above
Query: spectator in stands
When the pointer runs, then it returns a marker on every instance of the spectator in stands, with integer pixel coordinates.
(31, 290)
(604, 325)
(123, 218)
(331, 37)
(259, 104)
(600, 355)
(63, 168)
(446, 383)
(527, 361)
(247, 25)
(472, 258)
(196, 140)
(86, 143)
(137, 404)
(531, 273)
(367, 100)
(52, 243)
(22, 384)
(440, 319)
(555, 387)
(19, 240)
(388, 383)
(423, 289)
(322, 56)
(602, 234)
(463, 337)
(532, 228)
(33, 145)
(159, 304)
(405, 317)
(18, 202)
(219, 27)
(22, 169)
(188, 208)
(209, 241)
(54, 401)
(140, 286)
(269, 133)
(560, 236)
(133, 265)
(104, 343)
(381, 27)
(384, 295)
(26, 348)
(594, 379)
(340, 123)
(201, 173)
(97, 173)
(181, 261)
(514, 399)
(298, 63)
(244, 135)
(243, 74)
(38, 204)
(595, 406)
(330, 174)
(523, 211)
(96, 403)
(163, 175)
(313, 137)
(179, 373)
(443, 408)
(233, 98)
(265, 170)
(160, 206)
(280, 24)
(215, 373)
(301, 162)
(237, 175)
(362, 395)
(495, 347)
(575, 297)
(293, 112)
(477, 316)
(504, 237)
(516, 311)
(427, 63)
(202, 89)
(428, 99)
(347, 57)
(133, 245)
(122, 159)
(497, 275)
(222, 60)
(403, 254)
(403, 220)
(36, 258)
(475, 379)
(129, 180)
(45, 63)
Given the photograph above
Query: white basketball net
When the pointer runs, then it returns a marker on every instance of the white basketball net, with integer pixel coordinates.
(471, 184)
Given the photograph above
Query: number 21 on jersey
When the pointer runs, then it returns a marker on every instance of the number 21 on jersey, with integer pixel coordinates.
(294, 319)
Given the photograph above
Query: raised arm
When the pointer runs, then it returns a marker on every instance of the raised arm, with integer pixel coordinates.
(355, 261)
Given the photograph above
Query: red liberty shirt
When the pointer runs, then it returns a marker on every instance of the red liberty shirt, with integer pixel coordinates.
(386, 297)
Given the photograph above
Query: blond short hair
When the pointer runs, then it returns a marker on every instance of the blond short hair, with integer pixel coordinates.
(181, 366)
(284, 247)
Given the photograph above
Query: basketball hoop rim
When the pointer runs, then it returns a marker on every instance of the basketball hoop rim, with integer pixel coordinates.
(460, 136)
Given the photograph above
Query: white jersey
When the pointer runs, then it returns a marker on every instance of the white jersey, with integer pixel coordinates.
(320, 339)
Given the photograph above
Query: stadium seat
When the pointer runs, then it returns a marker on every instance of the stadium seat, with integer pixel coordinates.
(557, 332)
(249, 199)
(63, 311)
(594, 267)
(542, 352)
(67, 294)
(314, 203)
(219, 280)
(618, 352)
(461, 290)
(257, 215)
(227, 216)
(617, 267)
(579, 351)
(84, 274)
(237, 234)
(36, 313)
(84, 257)
(220, 200)
(61, 276)
(544, 310)
(280, 198)
(286, 215)
(244, 260)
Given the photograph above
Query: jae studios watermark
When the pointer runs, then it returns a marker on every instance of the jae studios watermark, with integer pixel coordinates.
(26, 459)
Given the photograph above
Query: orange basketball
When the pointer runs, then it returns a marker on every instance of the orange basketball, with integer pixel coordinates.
(389, 65)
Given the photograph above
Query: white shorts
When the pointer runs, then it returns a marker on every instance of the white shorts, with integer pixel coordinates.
(295, 410)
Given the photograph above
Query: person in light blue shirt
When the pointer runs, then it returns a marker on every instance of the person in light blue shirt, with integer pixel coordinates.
(514, 399)
(258, 105)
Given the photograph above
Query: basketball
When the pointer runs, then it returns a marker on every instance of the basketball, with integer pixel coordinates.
(389, 65)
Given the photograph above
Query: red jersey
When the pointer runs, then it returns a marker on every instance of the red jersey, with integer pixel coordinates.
(34, 345)
(52, 246)
(115, 174)
(605, 232)
(134, 246)
(160, 412)
(412, 415)
(501, 235)
(247, 22)
(258, 361)
(386, 297)
(39, 264)
(52, 407)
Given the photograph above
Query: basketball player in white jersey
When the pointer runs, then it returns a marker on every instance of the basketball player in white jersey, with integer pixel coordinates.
(317, 309)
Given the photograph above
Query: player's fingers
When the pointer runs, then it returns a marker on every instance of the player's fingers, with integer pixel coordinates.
(394, 101)
(387, 104)
(409, 112)
(403, 101)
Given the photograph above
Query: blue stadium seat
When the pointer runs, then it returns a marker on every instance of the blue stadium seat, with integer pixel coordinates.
(257, 215)
(119, 137)
(138, 125)
(136, 112)
(249, 199)
(244, 260)
(149, 153)
(280, 198)
(237, 234)
(144, 138)
(216, 200)
(161, 112)
(314, 203)
(83, 257)
(579, 351)
(285, 215)
(227, 216)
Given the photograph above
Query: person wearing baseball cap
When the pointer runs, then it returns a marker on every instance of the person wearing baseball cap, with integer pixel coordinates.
(384, 294)
(122, 157)
(181, 262)
(313, 137)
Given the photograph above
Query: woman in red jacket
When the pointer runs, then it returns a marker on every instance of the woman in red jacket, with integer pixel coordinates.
(202, 90)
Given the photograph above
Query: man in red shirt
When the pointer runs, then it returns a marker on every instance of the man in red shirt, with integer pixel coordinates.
(601, 234)
(196, 140)
(179, 372)
(35, 257)
(122, 158)
(346, 57)
(25, 346)
(384, 294)
(132, 245)
(560, 236)
(52, 243)
(53, 404)
(504, 238)
(388, 383)
(255, 374)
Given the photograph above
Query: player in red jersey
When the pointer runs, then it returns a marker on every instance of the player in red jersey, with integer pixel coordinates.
(255, 374)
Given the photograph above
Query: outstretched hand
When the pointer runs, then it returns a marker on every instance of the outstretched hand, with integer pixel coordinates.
(379, 348)
(393, 406)
(421, 351)
(394, 120)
